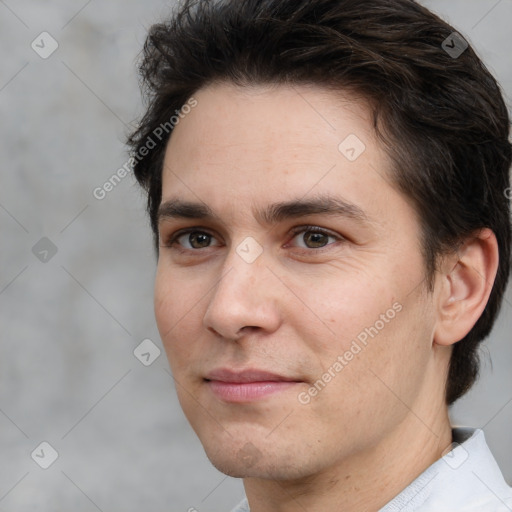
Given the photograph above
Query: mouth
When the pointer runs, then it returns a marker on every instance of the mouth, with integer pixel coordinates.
(247, 385)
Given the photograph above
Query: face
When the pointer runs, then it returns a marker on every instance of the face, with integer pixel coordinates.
(290, 291)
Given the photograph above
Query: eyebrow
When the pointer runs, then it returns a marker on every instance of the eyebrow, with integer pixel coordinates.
(325, 205)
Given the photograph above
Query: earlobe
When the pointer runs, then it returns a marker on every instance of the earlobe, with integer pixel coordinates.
(465, 282)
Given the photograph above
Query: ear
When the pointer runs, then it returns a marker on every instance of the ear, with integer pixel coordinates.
(464, 286)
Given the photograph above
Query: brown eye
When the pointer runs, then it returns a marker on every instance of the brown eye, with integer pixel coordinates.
(199, 240)
(195, 240)
(315, 240)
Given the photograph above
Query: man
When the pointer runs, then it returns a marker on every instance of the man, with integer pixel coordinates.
(327, 185)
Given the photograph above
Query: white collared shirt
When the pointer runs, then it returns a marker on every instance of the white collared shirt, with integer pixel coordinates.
(466, 479)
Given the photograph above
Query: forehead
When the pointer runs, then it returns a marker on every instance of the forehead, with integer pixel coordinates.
(258, 144)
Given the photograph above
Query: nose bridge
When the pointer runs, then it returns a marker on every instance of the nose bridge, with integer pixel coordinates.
(241, 298)
(240, 278)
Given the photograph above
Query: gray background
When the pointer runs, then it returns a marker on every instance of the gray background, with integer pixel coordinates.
(69, 325)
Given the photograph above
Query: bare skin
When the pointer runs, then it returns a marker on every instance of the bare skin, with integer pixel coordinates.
(380, 419)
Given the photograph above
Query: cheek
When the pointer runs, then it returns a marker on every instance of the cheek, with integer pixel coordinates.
(387, 355)
(175, 306)
(370, 318)
(372, 368)
(340, 310)
(166, 313)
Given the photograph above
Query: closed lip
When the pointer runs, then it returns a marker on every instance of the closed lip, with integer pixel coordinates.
(248, 375)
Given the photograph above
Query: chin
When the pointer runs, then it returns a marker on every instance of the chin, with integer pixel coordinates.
(250, 461)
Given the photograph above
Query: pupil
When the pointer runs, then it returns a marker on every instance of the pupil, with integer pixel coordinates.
(199, 240)
(315, 239)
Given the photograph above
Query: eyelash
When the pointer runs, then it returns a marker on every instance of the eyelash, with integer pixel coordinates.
(316, 229)
(172, 239)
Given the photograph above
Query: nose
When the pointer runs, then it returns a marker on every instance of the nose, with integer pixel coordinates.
(244, 300)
